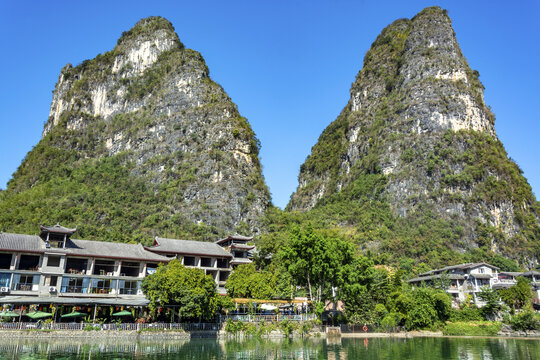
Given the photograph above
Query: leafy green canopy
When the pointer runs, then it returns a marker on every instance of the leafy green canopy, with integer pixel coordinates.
(247, 282)
(315, 261)
(188, 288)
(518, 296)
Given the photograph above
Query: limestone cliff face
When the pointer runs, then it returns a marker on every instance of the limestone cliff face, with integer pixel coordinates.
(151, 104)
(417, 118)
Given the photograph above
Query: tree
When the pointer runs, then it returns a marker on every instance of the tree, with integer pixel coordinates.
(518, 296)
(492, 300)
(315, 261)
(247, 282)
(424, 307)
(189, 288)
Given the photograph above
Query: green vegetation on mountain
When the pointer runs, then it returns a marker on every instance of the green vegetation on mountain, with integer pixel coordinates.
(140, 142)
(412, 167)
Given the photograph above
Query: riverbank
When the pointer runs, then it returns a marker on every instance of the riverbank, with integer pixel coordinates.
(184, 335)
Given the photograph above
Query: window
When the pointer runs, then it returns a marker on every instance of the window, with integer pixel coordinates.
(74, 285)
(129, 269)
(54, 280)
(189, 261)
(76, 266)
(29, 262)
(56, 240)
(53, 261)
(128, 287)
(24, 282)
(104, 267)
(206, 262)
(5, 261)
(223, 263)
(223, 275)
(102, 286)
(151, 268)
(5, 279)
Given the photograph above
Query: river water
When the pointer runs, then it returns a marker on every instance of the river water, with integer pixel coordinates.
(317, 348)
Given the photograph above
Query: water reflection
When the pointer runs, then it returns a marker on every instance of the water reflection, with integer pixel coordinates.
(317, 348)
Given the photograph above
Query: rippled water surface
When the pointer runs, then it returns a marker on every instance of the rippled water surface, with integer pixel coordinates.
(358, 348)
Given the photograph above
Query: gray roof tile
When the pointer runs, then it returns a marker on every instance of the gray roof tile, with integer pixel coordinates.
(33, 243)
(235, 237)
(188, 247)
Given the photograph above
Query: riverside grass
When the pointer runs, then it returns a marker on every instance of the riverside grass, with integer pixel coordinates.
(472, 328)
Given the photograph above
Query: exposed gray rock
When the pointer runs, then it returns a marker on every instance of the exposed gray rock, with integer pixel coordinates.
(152, 101)
(417, 115)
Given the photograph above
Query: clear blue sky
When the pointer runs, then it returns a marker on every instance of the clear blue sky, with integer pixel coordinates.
(288, 65)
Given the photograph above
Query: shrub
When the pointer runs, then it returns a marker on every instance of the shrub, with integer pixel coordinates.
(526, 320)
(477, 328)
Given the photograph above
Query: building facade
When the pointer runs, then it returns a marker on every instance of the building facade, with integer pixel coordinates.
(465, 281)
(54, 268)
(239, 247)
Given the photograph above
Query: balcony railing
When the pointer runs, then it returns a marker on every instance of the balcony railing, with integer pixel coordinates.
(100, 290)
(504, 281)
(74, 289)
(23, 287)
(128, 291)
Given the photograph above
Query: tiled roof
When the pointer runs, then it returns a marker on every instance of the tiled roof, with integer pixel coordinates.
(20, 242)
(438, 276)
(111, 249)
(188, 247)
(483, 276)
(466, 266)
(511, 273)
(243, 246)
(530, 273)
(235, 237)
(33, 243)
(57, 229)
(237, 261)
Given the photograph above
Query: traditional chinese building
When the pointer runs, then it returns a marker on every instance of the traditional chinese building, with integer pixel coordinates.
(55, 268)
(210, 257)
(239, 247)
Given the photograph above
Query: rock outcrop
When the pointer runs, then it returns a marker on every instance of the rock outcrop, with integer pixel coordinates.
(148, 115)
(417, 137)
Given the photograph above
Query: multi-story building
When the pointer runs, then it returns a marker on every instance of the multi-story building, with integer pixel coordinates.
(461, 280)
(239, 247)
(54, 268)
(468, 279)
(210, 257)
(508, 279)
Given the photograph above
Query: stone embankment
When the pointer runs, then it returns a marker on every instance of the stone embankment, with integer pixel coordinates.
(508, 331)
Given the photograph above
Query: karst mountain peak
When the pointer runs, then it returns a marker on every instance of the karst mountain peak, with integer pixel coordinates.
(417, 140)
(141, 141)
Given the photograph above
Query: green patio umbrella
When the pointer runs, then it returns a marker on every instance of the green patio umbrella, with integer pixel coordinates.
(122, 313)
(38, 315)
(73, 314)
(9, 314)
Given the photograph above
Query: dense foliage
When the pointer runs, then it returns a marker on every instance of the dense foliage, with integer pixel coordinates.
(193, 292)
(412, 187)
(247, 282)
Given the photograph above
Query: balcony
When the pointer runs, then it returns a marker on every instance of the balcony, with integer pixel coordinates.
(128, 291)
(23, 287)
(73, 289)
(504, 281)
(100, 290)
